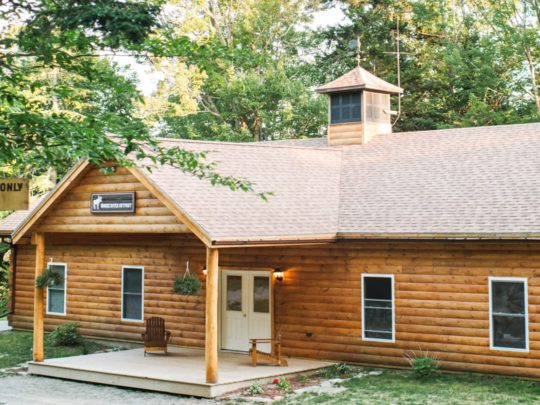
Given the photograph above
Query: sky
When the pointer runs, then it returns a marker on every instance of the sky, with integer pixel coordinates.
(147, 80)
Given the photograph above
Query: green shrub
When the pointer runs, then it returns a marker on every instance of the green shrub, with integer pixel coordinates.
(3, 299)
(66, 335)
(4, 275)
(423, 366)
(255, 389)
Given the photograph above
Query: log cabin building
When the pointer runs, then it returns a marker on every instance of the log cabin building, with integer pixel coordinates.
(373, 245)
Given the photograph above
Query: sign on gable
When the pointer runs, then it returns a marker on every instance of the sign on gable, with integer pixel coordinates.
(14, 194)
(107, 203)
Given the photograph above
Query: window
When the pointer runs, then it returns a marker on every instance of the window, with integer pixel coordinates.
(378, 307)
(56, 293)
(508, 313)
(261, 294)
(234, 293)
(344, 107)
(132, 293)
(376, 103)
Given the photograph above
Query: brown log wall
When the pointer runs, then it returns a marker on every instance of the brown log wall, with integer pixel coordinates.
(441, 292)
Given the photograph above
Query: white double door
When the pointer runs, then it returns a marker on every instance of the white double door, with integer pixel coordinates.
(246, 309)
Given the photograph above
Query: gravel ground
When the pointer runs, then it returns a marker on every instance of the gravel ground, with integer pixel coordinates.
(24, 390)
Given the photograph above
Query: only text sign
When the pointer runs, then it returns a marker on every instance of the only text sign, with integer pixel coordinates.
(14, 194)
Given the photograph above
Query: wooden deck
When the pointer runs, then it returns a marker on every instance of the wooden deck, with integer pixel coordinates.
(181, 372)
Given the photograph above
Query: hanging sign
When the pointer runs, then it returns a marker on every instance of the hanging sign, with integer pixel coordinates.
(107, 203)
(14, 194)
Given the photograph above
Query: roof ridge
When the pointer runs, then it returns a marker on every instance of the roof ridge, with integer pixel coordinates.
(250, 144)
(460, 128)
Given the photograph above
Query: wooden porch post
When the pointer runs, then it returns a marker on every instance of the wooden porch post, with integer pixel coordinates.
(211, 349)
(39, 241)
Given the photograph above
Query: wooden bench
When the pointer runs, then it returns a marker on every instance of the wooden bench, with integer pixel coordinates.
(273, 358)
(156, 337)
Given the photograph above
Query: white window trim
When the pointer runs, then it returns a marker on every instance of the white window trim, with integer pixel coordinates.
(368, 339)
(142, 295)
(65, 290)
(526, 297)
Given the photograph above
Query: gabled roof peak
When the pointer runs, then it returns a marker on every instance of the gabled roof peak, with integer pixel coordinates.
(356, 79)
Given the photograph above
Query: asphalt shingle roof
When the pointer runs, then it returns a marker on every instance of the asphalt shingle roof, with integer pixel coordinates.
(479, 182)
(359, 78)
(12, 221)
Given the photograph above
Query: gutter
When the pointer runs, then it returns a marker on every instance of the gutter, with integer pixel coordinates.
(375, 237)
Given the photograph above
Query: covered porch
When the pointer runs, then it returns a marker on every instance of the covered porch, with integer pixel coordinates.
(182, 371)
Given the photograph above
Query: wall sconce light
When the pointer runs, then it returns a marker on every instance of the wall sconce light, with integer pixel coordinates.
(278, 274)
(204, 271)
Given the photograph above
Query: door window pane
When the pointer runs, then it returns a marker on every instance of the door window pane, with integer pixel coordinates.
(261, 294)
(234, 293)
(132, 297)
(56, 291)
(508, 312)
(378, 322)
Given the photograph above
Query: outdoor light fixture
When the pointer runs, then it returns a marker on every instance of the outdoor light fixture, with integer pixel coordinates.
(204, 271)
(278, 274)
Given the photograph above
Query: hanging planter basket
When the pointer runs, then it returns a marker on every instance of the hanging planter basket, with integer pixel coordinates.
(49, 277)
(188, 284)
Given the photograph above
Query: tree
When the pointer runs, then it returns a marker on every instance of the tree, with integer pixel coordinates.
(457, 67)
(59, 102)
(240, 80)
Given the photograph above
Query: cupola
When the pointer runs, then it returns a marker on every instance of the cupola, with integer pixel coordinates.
(358, 107)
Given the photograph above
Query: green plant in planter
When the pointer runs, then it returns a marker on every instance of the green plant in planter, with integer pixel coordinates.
(188, 284)
(49, 277)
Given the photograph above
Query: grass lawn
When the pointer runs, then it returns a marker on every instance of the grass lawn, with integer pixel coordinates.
(398, 387)
(16, 347)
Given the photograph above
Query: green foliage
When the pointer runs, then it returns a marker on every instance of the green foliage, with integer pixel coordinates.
(188, 284)
(4, 275)
(243, 80)
(463, 64)
(302, 378)
(396, 387)
(339, 370)
(66, 334)
(49, 277)
(59, 102)
(16, 348)
(284, 385)
(255, 389)
(423, 365)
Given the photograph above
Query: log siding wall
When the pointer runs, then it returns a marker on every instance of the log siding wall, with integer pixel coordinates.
(441, 295)
(72, 212)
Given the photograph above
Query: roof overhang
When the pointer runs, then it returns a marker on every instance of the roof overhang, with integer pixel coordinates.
(352, 88)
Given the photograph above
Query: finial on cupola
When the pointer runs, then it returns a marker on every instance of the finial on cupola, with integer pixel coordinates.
(359, 107)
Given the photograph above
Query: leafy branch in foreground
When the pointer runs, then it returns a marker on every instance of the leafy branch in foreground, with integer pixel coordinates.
(59, 103)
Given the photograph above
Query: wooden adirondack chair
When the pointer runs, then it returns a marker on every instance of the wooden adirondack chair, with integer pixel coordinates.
(156, 337)
(272, 358)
